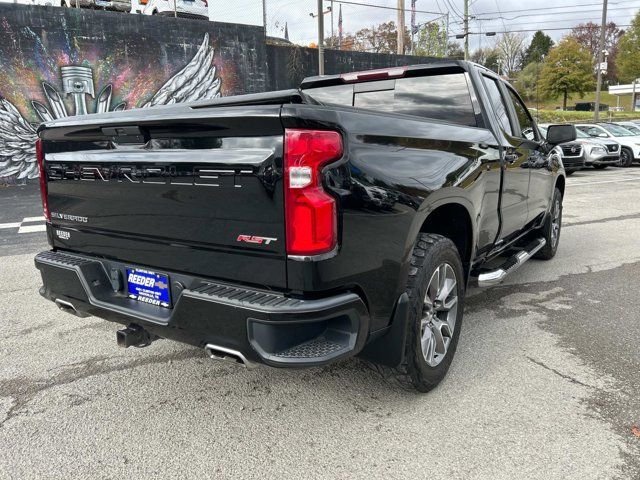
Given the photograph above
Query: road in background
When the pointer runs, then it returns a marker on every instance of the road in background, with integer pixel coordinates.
(545, 383)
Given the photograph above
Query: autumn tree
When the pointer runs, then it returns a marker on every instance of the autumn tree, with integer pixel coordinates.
(588, 36)
(510, 49)
(567, 69)
(538, 48)
(629, 52)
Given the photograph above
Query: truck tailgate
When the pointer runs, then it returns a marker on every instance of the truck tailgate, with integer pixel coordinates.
(204, 198)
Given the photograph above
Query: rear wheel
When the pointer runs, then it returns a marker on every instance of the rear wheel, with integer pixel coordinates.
(436, 295)
(551, 229)
(626, 157)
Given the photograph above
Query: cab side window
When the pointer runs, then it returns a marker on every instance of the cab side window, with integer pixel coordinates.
(525, 121)
(498, 103)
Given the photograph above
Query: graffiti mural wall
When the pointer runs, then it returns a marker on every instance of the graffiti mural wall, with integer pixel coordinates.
(58, 62)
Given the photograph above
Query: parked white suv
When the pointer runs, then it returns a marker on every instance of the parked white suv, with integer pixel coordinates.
(627, 139)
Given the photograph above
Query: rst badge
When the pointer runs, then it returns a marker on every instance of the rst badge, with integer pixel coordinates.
(255, 239)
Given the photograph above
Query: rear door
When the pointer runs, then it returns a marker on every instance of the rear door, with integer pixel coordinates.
(515, 184)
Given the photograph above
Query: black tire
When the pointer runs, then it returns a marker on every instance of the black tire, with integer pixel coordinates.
(549, 250)
(429, 253)
(626, 157)
(600, 167)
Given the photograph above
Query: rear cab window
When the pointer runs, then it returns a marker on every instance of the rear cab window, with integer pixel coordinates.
(444, 97)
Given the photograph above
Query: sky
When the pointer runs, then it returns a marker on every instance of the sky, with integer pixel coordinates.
(555, 17)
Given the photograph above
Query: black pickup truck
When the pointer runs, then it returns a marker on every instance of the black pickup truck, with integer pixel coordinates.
(299, 227)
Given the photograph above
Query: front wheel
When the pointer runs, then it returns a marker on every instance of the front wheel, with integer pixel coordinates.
(436, 291)
(551, 228)
(626, 157)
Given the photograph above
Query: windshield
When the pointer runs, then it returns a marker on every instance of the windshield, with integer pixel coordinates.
(581, 134)
(617, 130)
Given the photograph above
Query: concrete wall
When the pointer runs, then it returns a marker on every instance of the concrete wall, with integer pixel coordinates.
(57, 62)
(288, 65)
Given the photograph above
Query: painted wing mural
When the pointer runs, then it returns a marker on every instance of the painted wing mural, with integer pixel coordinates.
(17, 144)
(198, 80)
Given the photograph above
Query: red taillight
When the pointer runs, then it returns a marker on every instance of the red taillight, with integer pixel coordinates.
(311, 214)
(43, 180)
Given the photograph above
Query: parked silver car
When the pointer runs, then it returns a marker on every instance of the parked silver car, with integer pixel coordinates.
(572, 153)
(598, 152)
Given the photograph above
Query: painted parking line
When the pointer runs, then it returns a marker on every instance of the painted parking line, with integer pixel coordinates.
(27, 225)
(32, 228)
(10, 225)
(574, 184)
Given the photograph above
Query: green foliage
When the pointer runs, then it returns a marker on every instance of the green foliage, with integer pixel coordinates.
(560, 116)
(629, 52)
(431, 40)
(539, 47)
(567, 69)
(527, 83)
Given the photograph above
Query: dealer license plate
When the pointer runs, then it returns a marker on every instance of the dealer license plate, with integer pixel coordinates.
(148, 287)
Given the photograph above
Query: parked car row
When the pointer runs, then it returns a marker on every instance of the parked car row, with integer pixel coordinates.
(600, 145)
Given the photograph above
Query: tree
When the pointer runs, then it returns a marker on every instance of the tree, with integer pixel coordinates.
(510, 51)
(431, 41)
(538, 48)
(567, 69)
(378, 39)
(527, 82)
(629, 52)
(588, 35)
(454, 50)
(489, 57)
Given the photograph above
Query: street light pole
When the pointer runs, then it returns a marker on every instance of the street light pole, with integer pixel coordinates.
(264, 16)
(320, 38)
(633, 96)
(603, 27)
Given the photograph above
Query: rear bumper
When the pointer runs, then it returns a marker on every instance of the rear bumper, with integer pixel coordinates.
(264, 326)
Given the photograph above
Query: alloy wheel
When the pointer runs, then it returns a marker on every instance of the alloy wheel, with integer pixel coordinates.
(439, 313)
(555, 223)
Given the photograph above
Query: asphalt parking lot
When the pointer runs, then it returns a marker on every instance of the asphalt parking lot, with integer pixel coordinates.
(545, 384)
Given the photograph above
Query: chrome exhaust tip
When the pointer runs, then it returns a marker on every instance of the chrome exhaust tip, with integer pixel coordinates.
(216, 352)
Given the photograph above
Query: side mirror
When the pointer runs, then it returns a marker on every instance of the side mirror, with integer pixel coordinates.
(557, 134)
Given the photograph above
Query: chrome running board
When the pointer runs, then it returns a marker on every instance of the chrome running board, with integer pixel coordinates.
(495, 277)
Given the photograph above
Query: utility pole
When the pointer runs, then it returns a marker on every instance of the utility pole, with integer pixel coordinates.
(400, 27)
(466, 29)
(320, 38)
(264, 16)
(603, 27)
(332, 36)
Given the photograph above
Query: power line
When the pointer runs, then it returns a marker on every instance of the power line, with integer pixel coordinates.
(531, 30)
(383, 7)
(545, 9)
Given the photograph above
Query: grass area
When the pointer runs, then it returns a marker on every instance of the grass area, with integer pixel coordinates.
(559, 116)
(605, 97)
